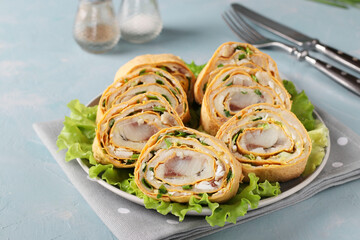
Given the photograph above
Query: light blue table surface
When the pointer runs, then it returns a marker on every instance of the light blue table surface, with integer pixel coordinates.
(42, 69)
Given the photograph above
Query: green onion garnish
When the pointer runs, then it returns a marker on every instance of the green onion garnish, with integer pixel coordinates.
(257, 91)
(162, 189)
(168, 144)
(159, 82)
(142, 72)
(256, 119)
(146, 183)
(226, 77)
(220, 65)
(167, 99)
(187, 187)
(204, 87)
(111, 122)
(227, 113)
(140, 92)
(159, 109)
(241, 56)
(229, 84)
(135, 156)
(229, 175)
(150, 97)
(255, 78)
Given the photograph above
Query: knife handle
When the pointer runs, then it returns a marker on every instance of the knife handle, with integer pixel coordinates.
(346, 59)
(347, 80)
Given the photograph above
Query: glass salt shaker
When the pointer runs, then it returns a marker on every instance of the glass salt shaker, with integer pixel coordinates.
(96, 29)
(139, 20)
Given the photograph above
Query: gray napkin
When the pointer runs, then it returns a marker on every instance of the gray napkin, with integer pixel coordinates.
(121, 215)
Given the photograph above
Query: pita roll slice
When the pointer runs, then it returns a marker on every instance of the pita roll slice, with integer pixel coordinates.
(178, 163)
(236, 87)
(233, 53)
(168, 62)
(147, 79)
(126, 127)
(269, 141)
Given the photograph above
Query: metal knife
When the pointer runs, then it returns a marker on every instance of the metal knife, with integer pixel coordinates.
(298, 38)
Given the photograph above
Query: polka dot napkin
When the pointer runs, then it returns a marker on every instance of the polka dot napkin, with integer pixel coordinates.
(121, 215)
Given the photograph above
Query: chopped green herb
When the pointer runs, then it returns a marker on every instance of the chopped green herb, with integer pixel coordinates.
(173, 91)
(187, 187)
(229, 175)
(181, 134)
(178, 90)
(151, 169)
(191, 136)
(248, 51)
(237, 135)
(146, 183)
(226, 77)
(138, 101)
(159, 195)
(162, 189)
(135, 156)
(142, 72)
(230, 84)
(144, 169)
(257, 91)
(167, 99)
(250, 156)
(170, 134)
(244, 92)
(239, 117)
(241, 56)
(168, 143)
(160, 74)
(140, 92)
(220, 65)
(255, 78)
(129, 161)
(240, 48)
(227, 113)
(204, 87)
(256, 119)
(159, 82)
(164, 68)
(111, 122)
(151, 97)
(126, 80)
(104, 103)
(159, 109)
(278, 123)
(204, 143)
(258, 110)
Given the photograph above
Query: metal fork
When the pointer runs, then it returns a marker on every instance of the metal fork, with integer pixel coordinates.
(244, 31)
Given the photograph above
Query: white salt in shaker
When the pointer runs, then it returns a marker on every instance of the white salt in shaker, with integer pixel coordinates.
(139, 20)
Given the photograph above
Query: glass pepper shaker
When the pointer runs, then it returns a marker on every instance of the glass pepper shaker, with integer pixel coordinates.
(139, 20)
(96, 29)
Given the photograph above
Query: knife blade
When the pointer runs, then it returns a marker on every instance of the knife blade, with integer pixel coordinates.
(298, 38)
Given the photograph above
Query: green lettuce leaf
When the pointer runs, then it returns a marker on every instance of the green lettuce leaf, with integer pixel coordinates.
(301, 106)
(77, 136)
(319, 139)
(196, 69)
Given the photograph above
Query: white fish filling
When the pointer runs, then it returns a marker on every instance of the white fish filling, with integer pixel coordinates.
(206, 186)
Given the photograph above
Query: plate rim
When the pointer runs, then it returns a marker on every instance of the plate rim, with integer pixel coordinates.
(205, 210)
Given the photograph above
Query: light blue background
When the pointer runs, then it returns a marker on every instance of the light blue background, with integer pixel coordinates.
(42, 69)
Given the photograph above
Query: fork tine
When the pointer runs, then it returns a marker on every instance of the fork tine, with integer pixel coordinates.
(247, 28)
(234, 27)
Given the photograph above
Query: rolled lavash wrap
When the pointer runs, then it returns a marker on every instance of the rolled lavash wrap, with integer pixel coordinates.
(236, 87)
(269, 141)
(125, 128)
(233, 53)
(168, 62)
(179, 162)
(147, 79)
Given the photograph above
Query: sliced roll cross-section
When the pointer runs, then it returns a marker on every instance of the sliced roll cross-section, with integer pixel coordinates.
(147, 79)
(233, 53)
(125, 128)
(269, 141)
(168, 62)
(236, 87)
(180, 162)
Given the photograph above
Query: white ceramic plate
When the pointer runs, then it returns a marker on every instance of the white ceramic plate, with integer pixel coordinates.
(287, 188)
